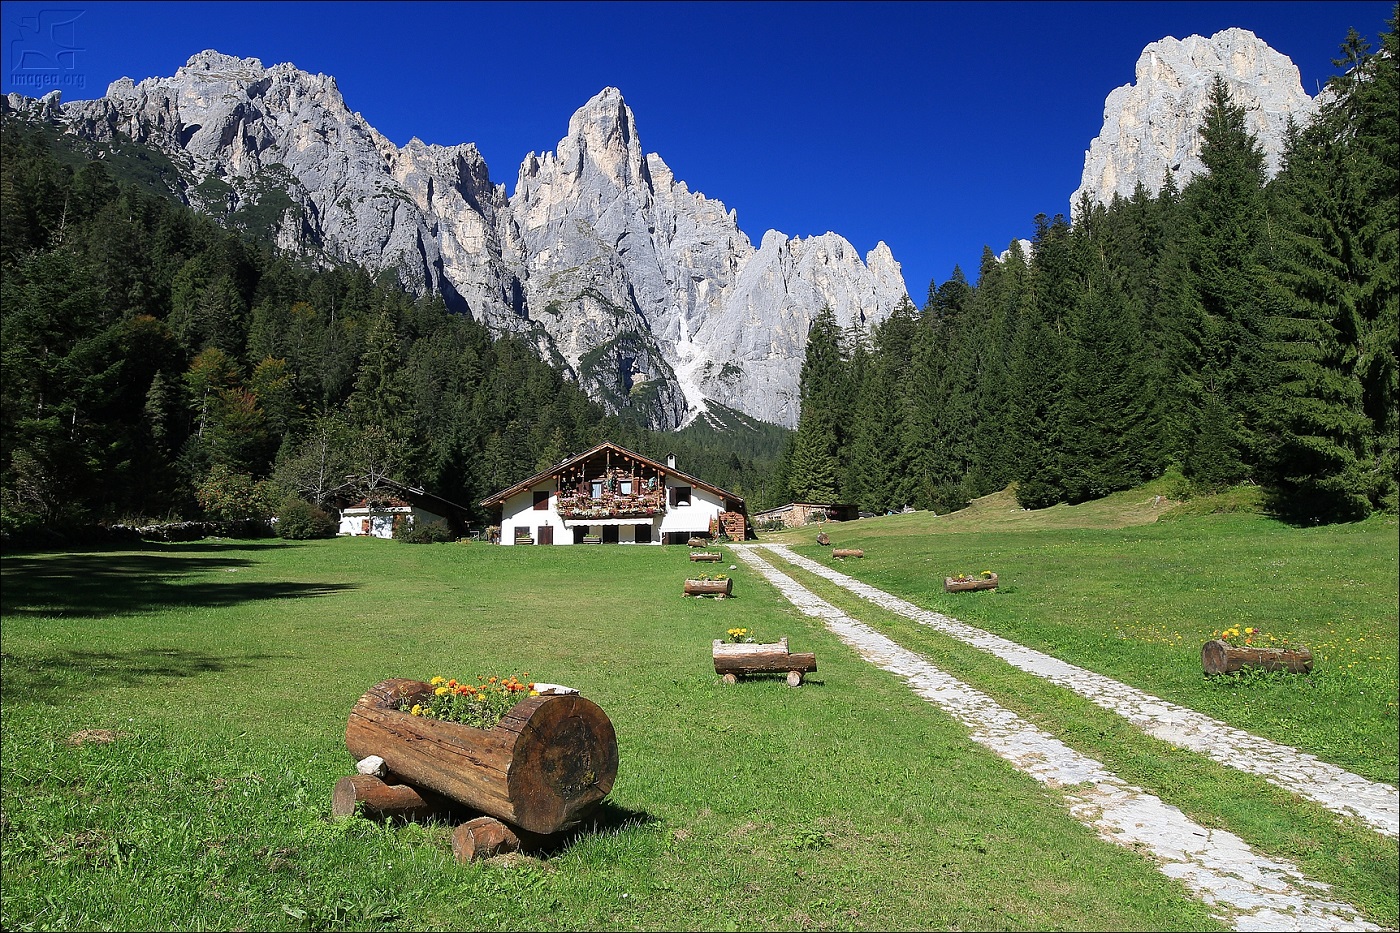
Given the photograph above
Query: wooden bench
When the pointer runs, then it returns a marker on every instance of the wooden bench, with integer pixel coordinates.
(737, 660)
(592, 539)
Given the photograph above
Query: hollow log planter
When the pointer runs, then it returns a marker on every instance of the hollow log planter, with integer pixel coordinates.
(716, 588)
(738, 660)
(545, 767)
(705, 556)
(954, 585)
(1221, 657)
(842, 553)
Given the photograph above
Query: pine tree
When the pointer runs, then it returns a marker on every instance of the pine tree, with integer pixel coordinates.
(814, 472)
(1332, 422)
(1228, 207)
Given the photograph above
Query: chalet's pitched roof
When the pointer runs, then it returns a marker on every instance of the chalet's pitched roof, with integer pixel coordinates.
(415, 496)
(499, 498)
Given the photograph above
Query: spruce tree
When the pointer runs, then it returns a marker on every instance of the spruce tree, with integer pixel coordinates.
(1229, 214)
(1332, 420)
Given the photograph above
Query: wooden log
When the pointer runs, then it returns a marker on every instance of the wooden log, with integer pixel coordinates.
(706, 555)
(844, 552)
(544, 767)
(697, 542)
(378, 800)
(954, 585)
(482, 838)
(1221, 657)
(773, 658)
(720, 588)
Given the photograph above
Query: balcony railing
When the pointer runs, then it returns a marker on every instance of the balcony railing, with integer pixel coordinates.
(612, 505)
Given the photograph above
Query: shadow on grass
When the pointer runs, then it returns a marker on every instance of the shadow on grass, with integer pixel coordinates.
(112, 583)
(51, 679)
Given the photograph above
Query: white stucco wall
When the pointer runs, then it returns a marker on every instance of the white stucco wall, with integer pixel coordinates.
(381, 521)
(519, 512)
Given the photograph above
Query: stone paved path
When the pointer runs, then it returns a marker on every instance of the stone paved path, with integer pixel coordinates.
(1244, 889)
(1378, 805)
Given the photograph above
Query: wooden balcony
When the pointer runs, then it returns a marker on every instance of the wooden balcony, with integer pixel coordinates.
(576, 507)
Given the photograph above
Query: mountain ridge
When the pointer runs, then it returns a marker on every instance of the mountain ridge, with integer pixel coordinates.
(646, 293)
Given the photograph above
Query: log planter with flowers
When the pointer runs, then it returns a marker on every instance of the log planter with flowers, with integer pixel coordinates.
(718, 586)
(544, 767)
(1218, 656)
(733, 661)
(964, 582)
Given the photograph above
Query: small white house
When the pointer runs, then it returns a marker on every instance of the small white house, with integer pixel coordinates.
(396, 506)
(611, 495)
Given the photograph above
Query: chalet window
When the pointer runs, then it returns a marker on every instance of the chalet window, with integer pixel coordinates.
(625, 487)
(541, 500)
(643, 534)
(680, 495)
(597, 489)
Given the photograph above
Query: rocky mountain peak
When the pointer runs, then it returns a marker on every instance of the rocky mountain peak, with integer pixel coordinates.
(645, 292)
(1152, 126)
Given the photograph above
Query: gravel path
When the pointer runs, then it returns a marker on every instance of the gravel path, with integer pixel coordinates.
(1244, 889)
(1378, 805)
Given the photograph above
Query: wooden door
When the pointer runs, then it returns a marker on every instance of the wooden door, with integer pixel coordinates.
(546, 535)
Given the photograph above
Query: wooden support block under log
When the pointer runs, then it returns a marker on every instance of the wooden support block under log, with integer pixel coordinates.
(482, 838)
(720, 588)
(823, 538)
(843, 552)
(954, 585)
(544, 768)
(1221, 657)
(735, 660)
(379, 800)
(706, 555)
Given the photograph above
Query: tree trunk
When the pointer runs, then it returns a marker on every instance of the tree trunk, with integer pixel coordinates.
(847, 552)
(1220, 657)
(706, 555)
(544, 767)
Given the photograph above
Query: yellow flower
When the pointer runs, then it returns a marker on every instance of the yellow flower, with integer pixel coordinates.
(442, 691)
(437, 680)
(417, 709)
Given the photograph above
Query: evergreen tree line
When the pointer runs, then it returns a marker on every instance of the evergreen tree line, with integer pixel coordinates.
(157, 366)
(1238, 330)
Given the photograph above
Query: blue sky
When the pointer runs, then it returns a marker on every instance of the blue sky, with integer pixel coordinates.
(939, 128)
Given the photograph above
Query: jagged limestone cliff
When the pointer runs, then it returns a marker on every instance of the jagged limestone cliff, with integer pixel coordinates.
(1152, 127)
(650, 295)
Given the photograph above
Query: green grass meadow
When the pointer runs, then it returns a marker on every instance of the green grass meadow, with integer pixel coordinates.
(223, 672)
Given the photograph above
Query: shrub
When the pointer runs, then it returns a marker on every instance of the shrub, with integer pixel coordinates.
(434, 532)
(299, 520)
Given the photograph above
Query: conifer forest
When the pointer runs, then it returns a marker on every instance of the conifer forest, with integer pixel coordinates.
(161, 365)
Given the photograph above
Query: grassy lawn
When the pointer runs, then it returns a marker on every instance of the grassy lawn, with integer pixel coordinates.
(224, 670)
